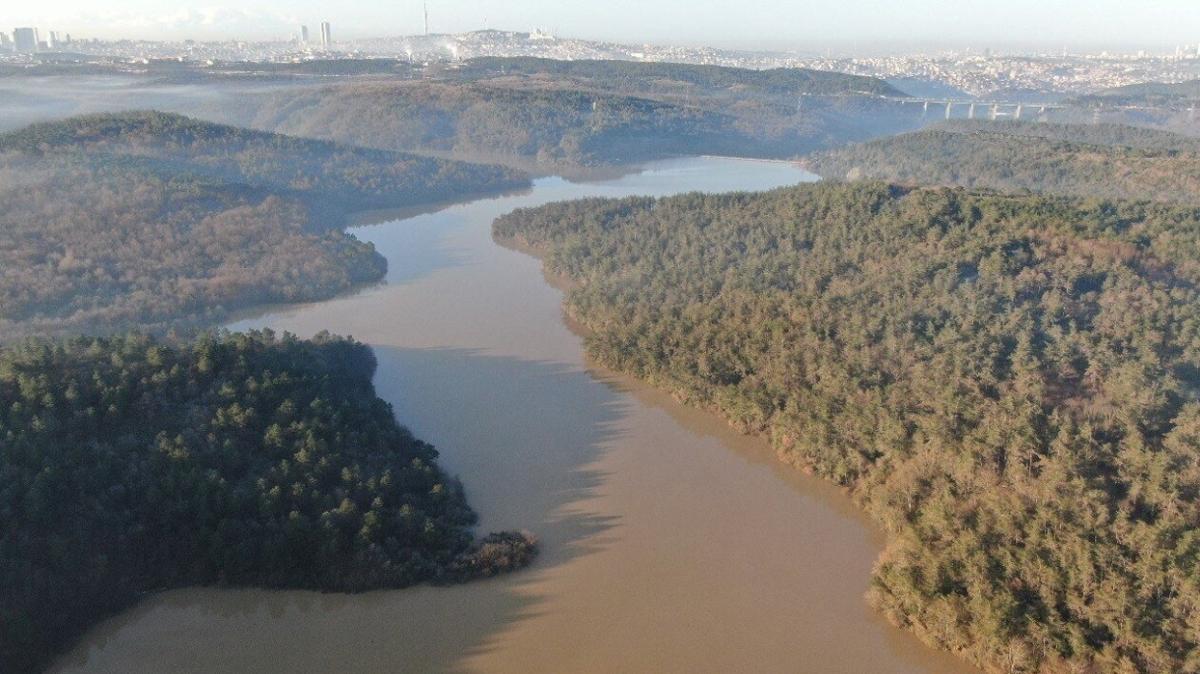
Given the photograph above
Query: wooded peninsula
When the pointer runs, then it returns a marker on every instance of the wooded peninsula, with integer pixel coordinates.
(152, 220)
(131, 465)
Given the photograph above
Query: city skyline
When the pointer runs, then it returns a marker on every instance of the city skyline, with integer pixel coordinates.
(863, 25)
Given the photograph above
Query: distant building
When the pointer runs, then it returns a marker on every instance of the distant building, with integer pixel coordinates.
(304, 34)
(326, 36)
(52, 41)
(25, 40)
(5, 42)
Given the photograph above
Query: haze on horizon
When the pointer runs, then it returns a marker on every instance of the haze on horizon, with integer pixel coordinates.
(762, 24)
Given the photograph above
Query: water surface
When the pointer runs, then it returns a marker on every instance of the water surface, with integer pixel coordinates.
(669, 542)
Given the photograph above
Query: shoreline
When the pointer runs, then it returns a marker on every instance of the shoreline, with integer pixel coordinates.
(479, 358)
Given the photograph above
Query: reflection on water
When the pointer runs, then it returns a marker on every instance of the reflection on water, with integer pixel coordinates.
(670, 543)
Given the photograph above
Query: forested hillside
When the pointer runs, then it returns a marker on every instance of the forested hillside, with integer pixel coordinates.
(1106, 135)
(149, 219)
(332, 179)
(1155, 104)
(130, 465)
(1105, 160)
(1008, 384)
(645, 78)
(557, 114)
(555, 127)
(1147, 93)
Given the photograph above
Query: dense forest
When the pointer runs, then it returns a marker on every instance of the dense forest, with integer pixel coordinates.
(129, 465)
(1106, 160)
(1105, 135)
(150, 219)
(647, 78)
(318, 172)
(1008, 384)
(557, 114)
(496, 123)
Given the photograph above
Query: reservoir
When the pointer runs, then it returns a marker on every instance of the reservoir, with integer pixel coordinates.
(670, 543)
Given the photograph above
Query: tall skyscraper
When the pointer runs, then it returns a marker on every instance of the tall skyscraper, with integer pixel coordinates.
(304, 34)
(52, 41)
(26, 40)
(326, 37)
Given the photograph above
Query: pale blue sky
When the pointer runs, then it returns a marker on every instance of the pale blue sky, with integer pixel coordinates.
(800, 24)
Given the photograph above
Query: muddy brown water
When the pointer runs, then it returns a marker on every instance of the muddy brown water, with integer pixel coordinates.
(670, 543)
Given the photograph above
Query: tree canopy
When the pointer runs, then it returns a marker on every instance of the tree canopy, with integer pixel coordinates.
(130, 464)
(150, 219)
(656, 77)
(1106, 160)
(1008, 384)
(560, 115)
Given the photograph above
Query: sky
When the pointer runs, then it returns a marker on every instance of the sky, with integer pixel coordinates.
(767, 24)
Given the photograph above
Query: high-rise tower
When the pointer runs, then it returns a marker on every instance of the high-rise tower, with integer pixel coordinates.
(26, 40)
(326, 36)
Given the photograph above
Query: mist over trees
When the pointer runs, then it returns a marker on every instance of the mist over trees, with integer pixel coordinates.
(1162, 94)
(1104, 161)
(342, 178)
(150, 219)
(1152, 104)
(657, 78)
(566, 114)
(1008, 384)
(494, 123)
